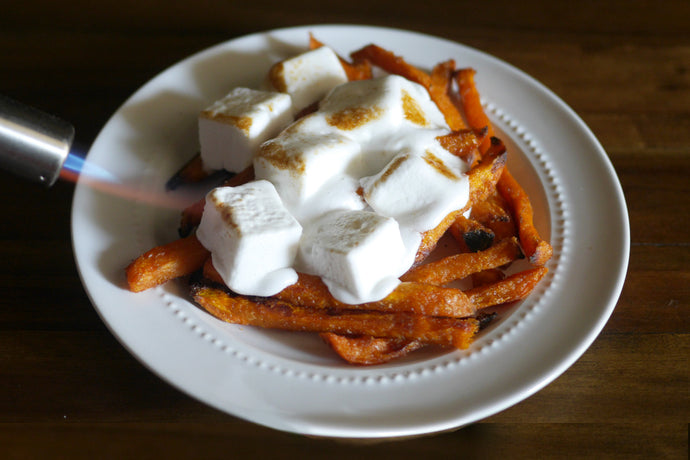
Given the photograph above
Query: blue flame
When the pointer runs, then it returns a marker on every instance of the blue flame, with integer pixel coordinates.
(84, 168)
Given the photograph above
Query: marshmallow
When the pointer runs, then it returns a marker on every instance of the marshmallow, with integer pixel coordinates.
(364, 175)
(232, 128)
(307, 163)
(308, 77)
(358, 254)
(367, 107)
(252, 238)
(384, 115)
(419, 190)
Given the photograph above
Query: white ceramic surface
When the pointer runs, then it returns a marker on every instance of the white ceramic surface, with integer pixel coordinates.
(291, 381)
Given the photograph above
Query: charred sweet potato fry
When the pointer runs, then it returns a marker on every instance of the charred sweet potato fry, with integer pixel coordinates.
(164, 263)
(277, 314)
(191, 172)
(459, 266)
(391, 63)
(366, 350)
(471, 235)
(513, 288)
(494, 213)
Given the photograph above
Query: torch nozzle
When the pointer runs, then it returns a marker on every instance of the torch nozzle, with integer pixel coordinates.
(33, 144)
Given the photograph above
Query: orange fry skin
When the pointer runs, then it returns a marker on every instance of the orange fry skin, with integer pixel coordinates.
(463, 143)
(494, 214)
(277, 314)
(164, 263)
(365, 350)
(430, 238)
(459, 266)
(513, 288)
(538, 250)
(492, 275)
(439, 90)
(472, 104)
(484, 177)
(391, 63)
(310, 291)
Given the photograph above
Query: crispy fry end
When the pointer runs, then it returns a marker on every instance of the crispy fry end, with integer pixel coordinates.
(164, 263)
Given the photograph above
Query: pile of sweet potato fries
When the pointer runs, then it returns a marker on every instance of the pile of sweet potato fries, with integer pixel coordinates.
(422, 310)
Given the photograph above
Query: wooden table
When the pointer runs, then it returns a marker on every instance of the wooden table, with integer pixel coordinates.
(68, 389)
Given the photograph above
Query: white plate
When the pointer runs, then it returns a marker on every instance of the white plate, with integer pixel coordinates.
(291, 381)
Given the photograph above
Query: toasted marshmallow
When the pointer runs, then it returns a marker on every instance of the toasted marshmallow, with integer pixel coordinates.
(305, 159)
(364, 175)
(419, 190)
(252, 238)
(384, 115)
(308, 77)
(232, 128)
(358, 254)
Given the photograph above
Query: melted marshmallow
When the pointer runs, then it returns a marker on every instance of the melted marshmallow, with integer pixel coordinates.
(307, 77)
(356, 253)
(252, 238)
(364, 176)
(232, 128)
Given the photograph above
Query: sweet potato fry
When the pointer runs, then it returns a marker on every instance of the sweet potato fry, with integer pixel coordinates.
(310, 291)
(472, 104)
(494, 213)
(513, 288)
(439, 90)
(191, 172)
(483, 180)
(277, 314)
(411, 297)
(391, 63)
(484, 177)
(366, 350)
(459, 266)
(164, 263)
(471, 235)
(492, 275)
(464, 143)
(538, 250)
(357, 70)
(191, 215)
(430, 238)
